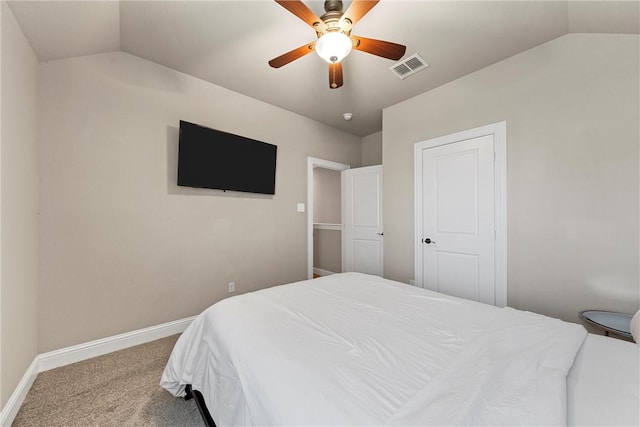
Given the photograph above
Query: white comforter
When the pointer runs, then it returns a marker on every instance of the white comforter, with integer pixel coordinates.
(353, 349)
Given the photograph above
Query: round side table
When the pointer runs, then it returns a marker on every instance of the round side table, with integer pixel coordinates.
(609, 321)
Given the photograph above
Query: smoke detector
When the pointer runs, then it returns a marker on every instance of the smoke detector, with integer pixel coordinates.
(347, 116)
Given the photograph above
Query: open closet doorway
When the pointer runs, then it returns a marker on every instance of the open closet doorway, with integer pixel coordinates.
(324, 223)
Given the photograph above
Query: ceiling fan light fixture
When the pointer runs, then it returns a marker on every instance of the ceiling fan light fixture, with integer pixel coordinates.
(333, 46)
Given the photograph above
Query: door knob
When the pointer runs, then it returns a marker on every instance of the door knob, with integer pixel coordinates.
(380, 234)
(428, 240)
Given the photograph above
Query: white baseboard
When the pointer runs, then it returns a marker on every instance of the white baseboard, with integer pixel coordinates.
(66, 356)
(321, 272)
(77, 353)
(10, 410)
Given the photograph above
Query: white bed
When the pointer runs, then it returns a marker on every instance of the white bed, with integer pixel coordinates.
(354, 349)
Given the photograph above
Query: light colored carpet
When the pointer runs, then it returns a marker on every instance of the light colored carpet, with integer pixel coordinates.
(117, 389)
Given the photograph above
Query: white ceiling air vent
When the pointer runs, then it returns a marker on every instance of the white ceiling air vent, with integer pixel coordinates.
(409, 66)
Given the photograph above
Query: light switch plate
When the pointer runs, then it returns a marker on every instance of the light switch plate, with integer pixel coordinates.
(300, 207)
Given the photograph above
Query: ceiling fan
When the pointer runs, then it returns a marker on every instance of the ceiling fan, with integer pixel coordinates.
(334, 36)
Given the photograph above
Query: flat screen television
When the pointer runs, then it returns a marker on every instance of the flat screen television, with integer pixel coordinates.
(209, 158)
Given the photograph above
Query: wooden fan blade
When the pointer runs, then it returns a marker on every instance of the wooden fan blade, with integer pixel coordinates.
(290, 56)
(379, 47)
(335, 75)
(303, 12)
(357, 10)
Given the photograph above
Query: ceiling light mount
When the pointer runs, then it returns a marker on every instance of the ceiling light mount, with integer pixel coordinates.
(347, 116)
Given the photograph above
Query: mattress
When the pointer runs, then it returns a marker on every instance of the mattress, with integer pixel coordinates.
(353, 349)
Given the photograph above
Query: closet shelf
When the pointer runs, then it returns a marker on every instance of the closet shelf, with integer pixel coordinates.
(327, 226)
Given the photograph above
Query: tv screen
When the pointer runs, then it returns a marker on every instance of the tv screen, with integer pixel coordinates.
(209, 158)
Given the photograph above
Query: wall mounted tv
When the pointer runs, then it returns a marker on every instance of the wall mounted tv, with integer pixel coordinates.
(209, 158)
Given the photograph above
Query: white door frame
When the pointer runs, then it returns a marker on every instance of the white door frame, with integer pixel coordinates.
(313, 163)
(499, 132)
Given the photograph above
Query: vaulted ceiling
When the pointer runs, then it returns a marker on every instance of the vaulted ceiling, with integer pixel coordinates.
(230, 42)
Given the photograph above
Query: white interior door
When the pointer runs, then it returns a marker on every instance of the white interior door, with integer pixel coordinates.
(362, 237)
(456, 218)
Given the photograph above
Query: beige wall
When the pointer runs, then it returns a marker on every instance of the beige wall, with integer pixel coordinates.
(372, 149)
(122, 246)
(19, 206)
(326, 196)
(571, 107)
(327, 250)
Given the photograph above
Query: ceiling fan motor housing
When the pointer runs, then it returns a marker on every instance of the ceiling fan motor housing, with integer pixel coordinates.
(333, 13)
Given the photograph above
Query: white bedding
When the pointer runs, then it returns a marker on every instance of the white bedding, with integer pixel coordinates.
(353, 349)
(604, 383)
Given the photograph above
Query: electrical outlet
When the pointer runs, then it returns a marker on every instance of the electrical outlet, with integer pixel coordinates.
(412, 282)
(232, 286)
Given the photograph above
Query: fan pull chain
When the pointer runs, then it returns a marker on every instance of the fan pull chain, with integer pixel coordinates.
(333, 79)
